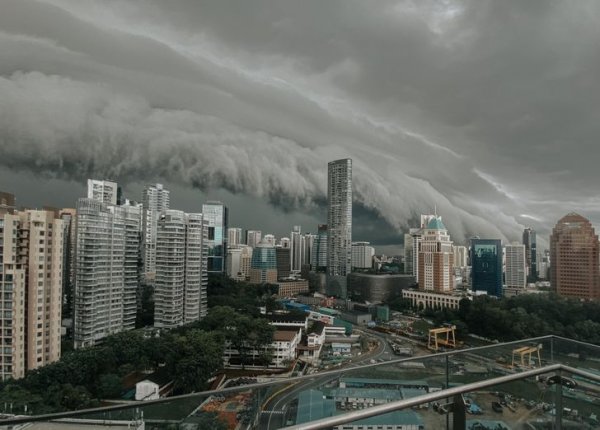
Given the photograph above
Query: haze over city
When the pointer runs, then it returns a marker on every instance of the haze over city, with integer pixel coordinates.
(488, 110)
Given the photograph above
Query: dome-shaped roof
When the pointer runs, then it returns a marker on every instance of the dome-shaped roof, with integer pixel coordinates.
(572, 217)
(436, 224)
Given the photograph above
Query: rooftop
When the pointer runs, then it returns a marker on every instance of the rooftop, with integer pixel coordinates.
(436, 224)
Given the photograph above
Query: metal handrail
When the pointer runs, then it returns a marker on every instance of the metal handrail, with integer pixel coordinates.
(221, 391)
(579, 342)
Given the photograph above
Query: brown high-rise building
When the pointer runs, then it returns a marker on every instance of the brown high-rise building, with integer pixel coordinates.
(436, 258)
(30, 290)
(574, 258)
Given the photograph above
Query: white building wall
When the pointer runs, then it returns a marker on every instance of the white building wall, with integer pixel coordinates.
(515, 266)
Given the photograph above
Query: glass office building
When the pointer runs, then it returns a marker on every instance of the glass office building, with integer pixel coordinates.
(216, 215)
(486, 266)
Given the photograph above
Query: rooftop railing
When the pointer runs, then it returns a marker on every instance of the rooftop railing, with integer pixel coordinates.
(544, 382)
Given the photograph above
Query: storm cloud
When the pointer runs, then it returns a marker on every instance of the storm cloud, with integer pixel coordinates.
(488, 110)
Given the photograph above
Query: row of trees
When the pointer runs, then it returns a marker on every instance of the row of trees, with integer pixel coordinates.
(521, 317)
(188, 355)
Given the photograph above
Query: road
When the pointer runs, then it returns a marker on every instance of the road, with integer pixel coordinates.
(276, 411)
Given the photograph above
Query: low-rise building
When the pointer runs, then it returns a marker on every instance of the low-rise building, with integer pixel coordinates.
(339, 348)
(433, 300)
(283, 349)
(312, 343)
(291, 287)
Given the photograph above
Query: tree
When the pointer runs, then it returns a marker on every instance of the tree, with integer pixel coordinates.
(109, 386)
(199, 355)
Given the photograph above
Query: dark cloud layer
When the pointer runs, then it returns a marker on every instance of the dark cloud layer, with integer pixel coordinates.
(489, 110)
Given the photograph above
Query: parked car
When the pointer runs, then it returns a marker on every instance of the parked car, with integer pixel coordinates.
(497, 407)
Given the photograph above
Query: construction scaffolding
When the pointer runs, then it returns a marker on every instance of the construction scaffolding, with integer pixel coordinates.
(435, 342)
(526, 351)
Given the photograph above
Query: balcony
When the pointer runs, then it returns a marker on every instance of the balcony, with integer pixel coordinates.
(539, 383)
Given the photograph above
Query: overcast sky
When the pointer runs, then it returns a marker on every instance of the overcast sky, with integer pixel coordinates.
(489, 110)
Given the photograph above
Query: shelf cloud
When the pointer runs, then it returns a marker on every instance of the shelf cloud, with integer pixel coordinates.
(487, 110)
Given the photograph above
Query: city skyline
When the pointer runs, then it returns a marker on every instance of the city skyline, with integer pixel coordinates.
(247, 109)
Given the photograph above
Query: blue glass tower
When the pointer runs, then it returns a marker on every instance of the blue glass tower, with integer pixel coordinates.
(486, 266)
(217, 216)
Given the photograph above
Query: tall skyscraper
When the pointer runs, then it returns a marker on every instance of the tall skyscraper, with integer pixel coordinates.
(486, 266)
(283, 257)
(155, 200)
(362, 255)
(30, 290)
(270, 239)
(415, 245)
(297, 246)
(234, 236)
(319, 254)
(309, 247)
(238, 262)
(285, 242)
(515, 274)
(460, 256)
(408, 254)
(339, 222)
(99, 271)
(253, 238)
(436, 258)
(181, 276)
(264, 264)
(131, 216)
(103, 191)
(216, 214)
(530, 242)
(69, 218)
(574, 258)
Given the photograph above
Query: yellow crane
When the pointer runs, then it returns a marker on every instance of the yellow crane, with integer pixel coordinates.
(435, 342)
(526, 351)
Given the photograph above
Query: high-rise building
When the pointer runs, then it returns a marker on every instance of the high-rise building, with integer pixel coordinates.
(436, 258)
(415, 241)
(130, 215)
(216, 214)
(234, 236)
(408, 254)
(100, 250)
(460, 256)
(238, 262)
(253, 237)
(285, 242)
(270, 239)
(297, 246)
(7, 203)
(283, 257)
(309, 247)
(69, 218)
(264, 264)
(181, 275)
(318, 260)
(103, 191)
(515, 273)
(30, 290)
(530, 242)
(155, 200)
(574, 258)
(486, 266)
(339, 224)
(362, 255)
